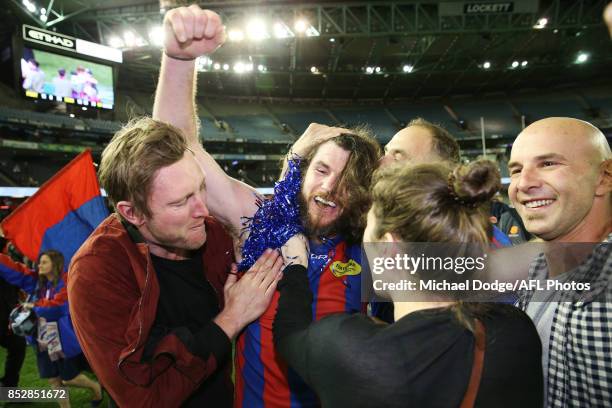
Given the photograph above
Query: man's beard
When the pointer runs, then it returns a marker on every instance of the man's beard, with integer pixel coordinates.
(312, 227)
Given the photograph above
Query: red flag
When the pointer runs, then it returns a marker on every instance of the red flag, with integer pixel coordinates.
(62, 213)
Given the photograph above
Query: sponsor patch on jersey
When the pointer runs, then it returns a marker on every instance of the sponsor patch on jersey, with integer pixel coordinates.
(345, 268)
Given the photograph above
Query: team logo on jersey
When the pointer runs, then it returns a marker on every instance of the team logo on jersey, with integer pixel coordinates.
(345, 268)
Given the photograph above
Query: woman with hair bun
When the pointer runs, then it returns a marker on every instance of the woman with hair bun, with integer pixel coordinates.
(440, 352)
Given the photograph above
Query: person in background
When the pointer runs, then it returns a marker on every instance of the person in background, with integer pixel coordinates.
(62, 85)
(35, 77)
(58, 354)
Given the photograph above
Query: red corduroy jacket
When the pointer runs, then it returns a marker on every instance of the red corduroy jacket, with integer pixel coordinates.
(113, 293)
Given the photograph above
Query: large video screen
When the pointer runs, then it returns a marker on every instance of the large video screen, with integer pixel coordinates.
(45, 75)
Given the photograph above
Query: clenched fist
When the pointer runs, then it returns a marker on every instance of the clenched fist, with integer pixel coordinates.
(191, 32)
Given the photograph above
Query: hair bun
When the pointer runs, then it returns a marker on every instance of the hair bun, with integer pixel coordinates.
(475, 183)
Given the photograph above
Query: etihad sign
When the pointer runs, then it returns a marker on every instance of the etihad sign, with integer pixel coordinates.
(65, 42)
(49, 38)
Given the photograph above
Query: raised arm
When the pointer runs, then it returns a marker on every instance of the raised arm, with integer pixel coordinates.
(191, 32)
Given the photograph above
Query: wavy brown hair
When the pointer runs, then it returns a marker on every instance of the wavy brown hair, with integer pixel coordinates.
(133, 157)
(354, 183)
(438, 203)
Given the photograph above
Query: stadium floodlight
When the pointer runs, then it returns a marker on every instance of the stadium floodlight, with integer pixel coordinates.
(332, 39)
(541, 23)
(377, 70)
(369, 70)
(72, 115)
(582, 57)
(216, 66)
(282, 31)
(225, 67)
(31, 7)
(524, 63)
(256, 30)
(261, 68)
(486, 65)
(314, 70)
(156, 36)
(312, 32)
(407, 68)
(515, 64)
(239, 67)
(248, 67)
(43, 18)
(301, 25)
(84, 108)
(235, 35)
(43, 11)
(116, 42)
(129, 38)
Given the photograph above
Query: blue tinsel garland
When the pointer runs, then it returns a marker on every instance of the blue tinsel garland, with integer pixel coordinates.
(277, 218)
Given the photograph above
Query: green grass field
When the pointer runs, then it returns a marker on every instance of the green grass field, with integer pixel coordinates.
(51, 63)
(79, 397)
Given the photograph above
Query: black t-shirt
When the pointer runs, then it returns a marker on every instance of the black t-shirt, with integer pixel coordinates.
(188, 301)
(423, 360)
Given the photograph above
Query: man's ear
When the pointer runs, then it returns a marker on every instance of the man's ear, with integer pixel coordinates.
(127, 210)
(604, 184)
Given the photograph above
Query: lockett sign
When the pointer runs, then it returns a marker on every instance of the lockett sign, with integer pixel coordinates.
(488, 8)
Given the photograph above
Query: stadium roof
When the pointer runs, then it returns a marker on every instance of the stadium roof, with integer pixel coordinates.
(358, 50)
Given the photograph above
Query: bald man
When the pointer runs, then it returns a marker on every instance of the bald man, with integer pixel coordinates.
(561, 185)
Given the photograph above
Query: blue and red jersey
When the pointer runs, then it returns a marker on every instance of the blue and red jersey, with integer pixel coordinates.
(50, 301)
(263, 379)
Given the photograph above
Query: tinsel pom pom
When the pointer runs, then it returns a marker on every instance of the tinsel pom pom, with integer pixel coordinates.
(276, 220)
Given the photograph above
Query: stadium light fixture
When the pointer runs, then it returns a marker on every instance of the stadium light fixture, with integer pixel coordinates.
(524, 63)
(31, 7)
(515, 64)
(156, 36)
(216, 66)
(43, 11)
(407, 68)
(312, 32)
(369, 70)
(256, 30)
(72, 115)
(282, 31)
(226, 67)
(582, 57)
(301, 25)
(239, 67)
(261, 68)
(377, 70)
(235, 35)
(332, 39)
(129, 38)
(486, 65)
(314, 70)
(541, 23)
(43, 18)
(116, 42)
(248, 67)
